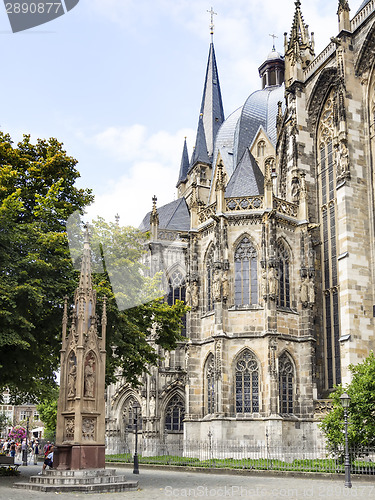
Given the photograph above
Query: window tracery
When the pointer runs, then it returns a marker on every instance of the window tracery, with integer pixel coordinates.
(286, 384)
(246, 273)
(210, 384)
(327, 187)
(247, 383)
(174, 414)
(130, 413)
(210, 278)
(283, 299)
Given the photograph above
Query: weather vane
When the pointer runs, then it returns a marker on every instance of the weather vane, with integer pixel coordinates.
(212, 26)
(273, 37)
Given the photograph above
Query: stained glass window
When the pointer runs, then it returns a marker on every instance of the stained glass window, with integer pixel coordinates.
(174, 414)
(247, 383)
(286, 384)
(246, 273)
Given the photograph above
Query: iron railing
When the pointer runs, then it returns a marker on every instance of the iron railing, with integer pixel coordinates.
(245, 455)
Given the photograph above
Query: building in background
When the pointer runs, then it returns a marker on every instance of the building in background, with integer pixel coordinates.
(271, 243)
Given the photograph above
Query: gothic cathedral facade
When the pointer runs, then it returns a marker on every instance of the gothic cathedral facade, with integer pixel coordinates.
(271, 244)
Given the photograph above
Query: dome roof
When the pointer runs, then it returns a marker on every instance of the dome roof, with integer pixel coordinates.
(238, 131)
(260, 110)
(273, 55)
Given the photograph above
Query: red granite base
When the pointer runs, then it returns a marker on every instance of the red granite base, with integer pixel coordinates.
(77, 457)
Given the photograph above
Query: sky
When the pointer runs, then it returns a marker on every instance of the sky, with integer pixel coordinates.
(120, 83)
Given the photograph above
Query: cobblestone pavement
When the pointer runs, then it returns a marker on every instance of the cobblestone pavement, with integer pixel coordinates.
(164, 484)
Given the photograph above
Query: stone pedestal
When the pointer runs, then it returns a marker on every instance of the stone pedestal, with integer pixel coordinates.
(77, 457)
(85, 481)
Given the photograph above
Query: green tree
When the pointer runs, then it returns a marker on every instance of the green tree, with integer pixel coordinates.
(48, 414)
(361, 412)
(136, 309)
(4, 422)
(37, 195)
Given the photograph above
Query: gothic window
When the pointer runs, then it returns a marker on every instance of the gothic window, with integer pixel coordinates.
(283, 299)
(247, 383)
(209, 278)
(130, 413)
(174, 414)
(210, 384)
(261, 148)
(286, 384)
(246, 274)
(328, 202)
(177, 291)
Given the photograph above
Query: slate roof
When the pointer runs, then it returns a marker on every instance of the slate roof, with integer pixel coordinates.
(173, 216)
(247, 179)
(260, 109)
(211, 113)
(184, 167)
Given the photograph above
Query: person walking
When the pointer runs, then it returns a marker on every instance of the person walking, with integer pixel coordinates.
(47, 462)
(35, 451)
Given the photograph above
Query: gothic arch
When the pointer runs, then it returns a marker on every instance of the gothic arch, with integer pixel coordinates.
(322, 88)
(127, 414)
(285, 271)
(246, 271)
(208, 273)
(246, 370)
(365, 59)
(209, 384)
(287, 381)
(173, 410)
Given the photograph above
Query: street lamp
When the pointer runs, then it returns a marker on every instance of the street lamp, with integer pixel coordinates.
(345, 401)
(24, 452)
(136, 407)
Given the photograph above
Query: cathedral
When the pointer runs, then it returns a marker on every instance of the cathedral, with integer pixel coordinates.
(271, 244)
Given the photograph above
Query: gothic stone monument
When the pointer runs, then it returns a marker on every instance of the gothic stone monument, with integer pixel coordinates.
(80, 437)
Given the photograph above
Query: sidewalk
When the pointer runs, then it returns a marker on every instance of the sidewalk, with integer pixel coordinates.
(156, 484)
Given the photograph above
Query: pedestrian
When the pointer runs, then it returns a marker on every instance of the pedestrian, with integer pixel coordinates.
(48, 461)
(46, 447)
(12, 449)
(18, 453)
(35, 451)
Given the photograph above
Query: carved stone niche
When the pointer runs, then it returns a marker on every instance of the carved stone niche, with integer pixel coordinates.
(88, 428)
(69, 429)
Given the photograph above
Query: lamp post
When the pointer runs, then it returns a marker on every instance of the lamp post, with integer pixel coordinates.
(345, 401)
(24, 452)
(136, 407)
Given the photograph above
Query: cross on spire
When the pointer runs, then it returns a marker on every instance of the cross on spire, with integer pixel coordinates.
(273, 41)
(212, 26)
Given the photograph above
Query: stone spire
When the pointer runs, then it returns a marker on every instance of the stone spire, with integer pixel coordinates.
(184, 167)
(299, 49)
(80, 436)
(343, 15)
(154, 220)
(211, 114)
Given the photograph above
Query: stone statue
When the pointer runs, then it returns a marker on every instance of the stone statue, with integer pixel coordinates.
(89, 378)
(72, 374)
(304, 292)
(216, 288)
(152, 406)
(194, 296)
(273, 283)
(188, 295)
(311, 292)
(225, 285)
(264, 284)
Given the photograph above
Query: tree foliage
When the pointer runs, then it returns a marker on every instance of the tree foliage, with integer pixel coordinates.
(48, 414)
(361, 412)
(37, 195)
(136, 309)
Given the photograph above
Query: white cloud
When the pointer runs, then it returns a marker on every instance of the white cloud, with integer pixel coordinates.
(151, 163)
